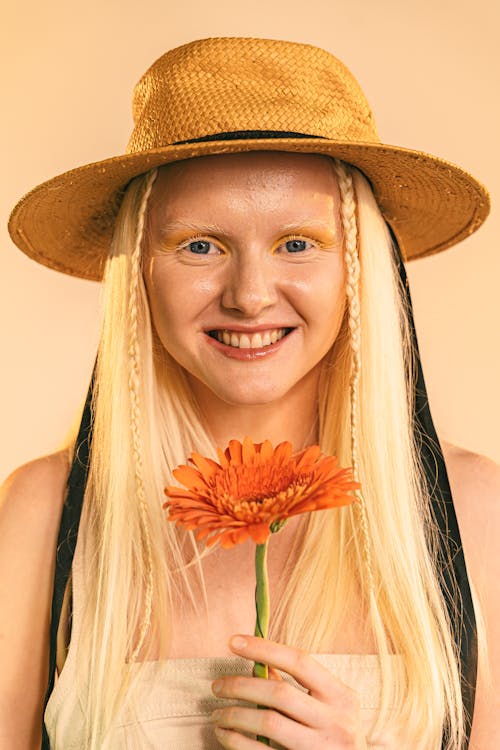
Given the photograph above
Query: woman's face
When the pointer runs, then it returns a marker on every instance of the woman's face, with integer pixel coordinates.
(241, 247)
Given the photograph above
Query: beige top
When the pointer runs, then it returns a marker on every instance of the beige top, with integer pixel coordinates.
(173, 699)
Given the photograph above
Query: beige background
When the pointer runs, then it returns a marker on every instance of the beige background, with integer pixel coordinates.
(430, 70)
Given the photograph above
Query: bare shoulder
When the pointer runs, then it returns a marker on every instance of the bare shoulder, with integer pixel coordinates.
(37, 485)
(31, 502)
(475, 485)
(32, 497)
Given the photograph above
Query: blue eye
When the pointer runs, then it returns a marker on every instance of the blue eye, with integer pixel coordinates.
(295, 246)
(200, 247)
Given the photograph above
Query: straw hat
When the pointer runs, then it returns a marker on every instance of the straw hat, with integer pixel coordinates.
(223, 95)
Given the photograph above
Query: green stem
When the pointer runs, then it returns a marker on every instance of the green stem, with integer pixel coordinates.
(262, 612)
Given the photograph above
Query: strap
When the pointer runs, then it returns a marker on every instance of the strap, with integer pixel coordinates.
(68, 532)
(453, 575)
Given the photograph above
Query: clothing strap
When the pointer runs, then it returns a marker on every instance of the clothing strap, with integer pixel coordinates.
(451, 562)
(68, 532)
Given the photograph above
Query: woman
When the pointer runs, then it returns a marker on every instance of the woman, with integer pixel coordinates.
(245, 204)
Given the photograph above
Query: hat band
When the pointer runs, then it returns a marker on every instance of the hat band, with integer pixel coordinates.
(236, 135)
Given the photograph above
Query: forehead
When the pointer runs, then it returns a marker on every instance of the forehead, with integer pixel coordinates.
(260, 179)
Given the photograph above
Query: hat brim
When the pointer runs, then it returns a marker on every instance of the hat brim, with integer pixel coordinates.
(67, 222)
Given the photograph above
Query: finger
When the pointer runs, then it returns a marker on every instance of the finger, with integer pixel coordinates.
(277, 694)
(266, 723)
(235, 741)
(274, 674)
(308, 672)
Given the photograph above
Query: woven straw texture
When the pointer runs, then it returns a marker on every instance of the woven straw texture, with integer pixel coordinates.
(223, 85)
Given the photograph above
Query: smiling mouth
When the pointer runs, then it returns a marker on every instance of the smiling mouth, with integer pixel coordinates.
(253, 341)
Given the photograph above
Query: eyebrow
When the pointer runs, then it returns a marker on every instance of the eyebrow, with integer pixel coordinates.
(298, 227)
(174, 226)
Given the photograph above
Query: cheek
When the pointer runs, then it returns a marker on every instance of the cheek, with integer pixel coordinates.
(163, 302)
(322, 298)
(164, 318)
(175, 299)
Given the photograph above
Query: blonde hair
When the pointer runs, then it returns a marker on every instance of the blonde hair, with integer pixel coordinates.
(146, 422)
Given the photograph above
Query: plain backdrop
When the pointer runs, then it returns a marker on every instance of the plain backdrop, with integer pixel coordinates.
(430, 70)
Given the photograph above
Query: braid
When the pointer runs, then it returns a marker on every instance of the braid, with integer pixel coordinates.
(134, 386)
(350, 230)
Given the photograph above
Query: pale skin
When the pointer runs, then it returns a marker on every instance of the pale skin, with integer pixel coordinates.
(248, 279)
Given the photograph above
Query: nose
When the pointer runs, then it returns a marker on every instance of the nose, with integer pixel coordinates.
(250, 286)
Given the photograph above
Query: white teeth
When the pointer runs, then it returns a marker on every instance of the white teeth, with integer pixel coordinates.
(256, 341)
(244, 342)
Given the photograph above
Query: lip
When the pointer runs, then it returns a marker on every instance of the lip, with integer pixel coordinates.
(248, 329)
(233, 352)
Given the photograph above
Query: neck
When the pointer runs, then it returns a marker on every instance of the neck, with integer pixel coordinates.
(294, 417)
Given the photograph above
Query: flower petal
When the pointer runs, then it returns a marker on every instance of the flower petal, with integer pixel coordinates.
(233, 452)
(266, 450)
(282, 452)
(259, 532)
(173, 491)
(230, 538)
(247, 451)
(222, 458)
(207, 467)
(307, 456)
(189, 477)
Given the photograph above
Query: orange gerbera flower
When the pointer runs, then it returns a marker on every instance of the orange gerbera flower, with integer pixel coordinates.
(254, 489)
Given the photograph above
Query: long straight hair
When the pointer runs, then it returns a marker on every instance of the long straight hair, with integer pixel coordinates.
(146, 422)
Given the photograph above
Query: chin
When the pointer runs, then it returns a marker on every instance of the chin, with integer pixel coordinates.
(249, 395)
(250, 399)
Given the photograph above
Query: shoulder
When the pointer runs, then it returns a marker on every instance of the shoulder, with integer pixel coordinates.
(37, 487)
(31, 502)
(467, 468)
(475, 485)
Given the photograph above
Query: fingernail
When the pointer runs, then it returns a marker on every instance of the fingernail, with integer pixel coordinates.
(215, 715)
(237, 642)
(217, 686)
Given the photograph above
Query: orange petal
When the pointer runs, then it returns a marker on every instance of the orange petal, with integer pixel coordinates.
(259, 532)
(214, 539)
(191, 502)
(232, 537)
(207, 467)
(186, 516)
(282, 452)
(202, 533)
(189, 477)
(266, 450)
(222, 458)
(248, 451)
(233, 451)
(173, 491)
(309, 456)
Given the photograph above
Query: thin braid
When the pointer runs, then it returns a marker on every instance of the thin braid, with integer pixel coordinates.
(350, 230)
(135, 405)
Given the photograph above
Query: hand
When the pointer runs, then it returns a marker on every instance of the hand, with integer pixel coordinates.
(325, 718)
